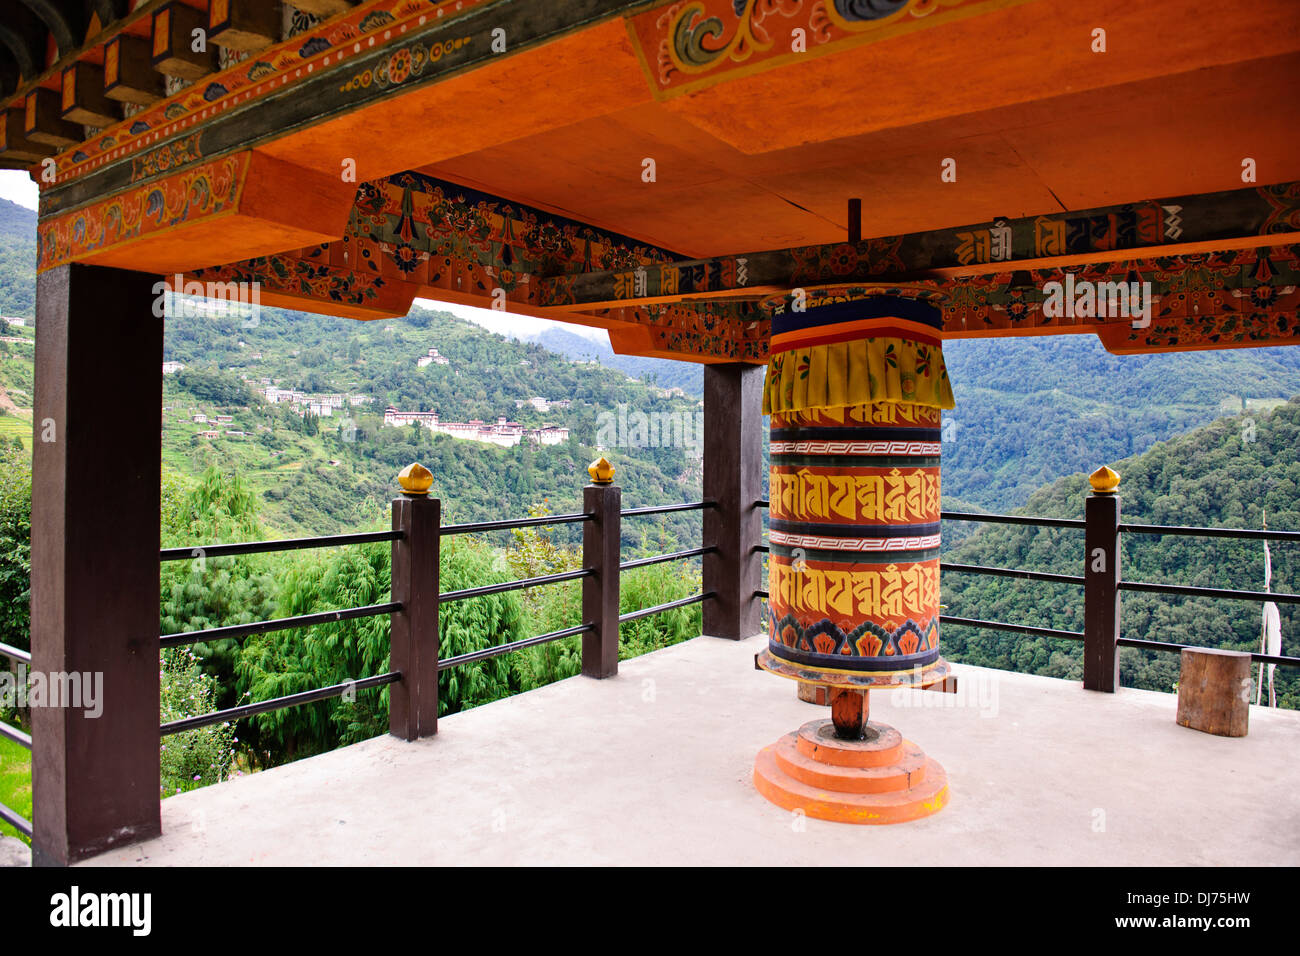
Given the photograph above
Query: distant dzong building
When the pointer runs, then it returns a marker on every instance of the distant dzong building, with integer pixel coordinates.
(505, 433)
(433, 358)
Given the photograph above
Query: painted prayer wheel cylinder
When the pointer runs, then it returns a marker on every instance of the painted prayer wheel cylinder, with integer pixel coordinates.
(854, 521)
(855, 385)
(854, 538)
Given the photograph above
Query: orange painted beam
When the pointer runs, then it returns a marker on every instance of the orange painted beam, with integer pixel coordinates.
(238, 207)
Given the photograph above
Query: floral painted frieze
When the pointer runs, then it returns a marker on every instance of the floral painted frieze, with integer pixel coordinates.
(203, 191)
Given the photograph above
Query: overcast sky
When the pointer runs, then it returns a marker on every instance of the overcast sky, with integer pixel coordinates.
(17, 186)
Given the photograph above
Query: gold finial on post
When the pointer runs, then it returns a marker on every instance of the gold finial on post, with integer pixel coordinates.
(601, 471)
(415, 479)
(1104, 481)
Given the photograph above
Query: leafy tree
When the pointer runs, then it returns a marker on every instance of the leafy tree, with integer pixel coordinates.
(203, 592)
(288, 662)
(1228, 474)
(213, 386)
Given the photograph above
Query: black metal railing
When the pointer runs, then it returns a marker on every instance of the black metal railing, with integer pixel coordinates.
(15, 735)
(406, 537)
(1082, 524)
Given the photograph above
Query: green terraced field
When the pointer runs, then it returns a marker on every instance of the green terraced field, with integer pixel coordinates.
(15, 783)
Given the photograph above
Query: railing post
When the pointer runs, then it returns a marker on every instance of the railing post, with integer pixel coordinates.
(1101, 573)
(601, 552)
(733, 464)
(94, 571)
(413, 701)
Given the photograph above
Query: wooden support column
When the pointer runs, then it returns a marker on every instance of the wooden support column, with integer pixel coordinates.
(413, 647)
(1101, 583)
(602, 553)
(733, 431)
(95, 533)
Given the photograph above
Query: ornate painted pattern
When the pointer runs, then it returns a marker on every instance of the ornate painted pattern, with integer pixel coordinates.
(406, 62)
(696, 43)
(854, 562)
(168, 156)
(1205, 300)
(1256, 211)
(302, 278)
(292, 61)
(923, 543)
(854, 448)
(207, 190)
(868, 639)
(436, 233)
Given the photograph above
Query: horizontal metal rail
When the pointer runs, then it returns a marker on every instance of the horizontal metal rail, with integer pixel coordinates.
(1021, 628)
(660, 608)
(661, 558)
(490, 652)
(761, 594)
(467, 593)
(1231, 594)
(762, 549)
(262, 547)
(11, 817)
(1170, 647)
(278, 624)
(16, 653)
(508, 525)
(1243, 533)
(665, 509)
(1012, 573)
(1014, 519)
(763, 503)
(278, 703)
(10, 732)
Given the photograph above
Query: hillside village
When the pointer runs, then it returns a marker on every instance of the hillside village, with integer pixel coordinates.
(503, 432)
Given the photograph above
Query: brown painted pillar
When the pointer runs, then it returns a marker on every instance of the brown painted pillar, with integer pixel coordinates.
(733, 432)
(95, 479)
(602, 539)
(413, 701)
(1101, 576)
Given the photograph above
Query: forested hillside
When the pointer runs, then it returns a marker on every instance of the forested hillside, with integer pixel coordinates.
(1028, 410)
(1227, 474)
(322, 474)
(1034, 409)
(17, 259)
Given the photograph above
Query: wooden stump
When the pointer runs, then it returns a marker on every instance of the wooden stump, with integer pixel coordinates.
(814, 693)
(1214, 691)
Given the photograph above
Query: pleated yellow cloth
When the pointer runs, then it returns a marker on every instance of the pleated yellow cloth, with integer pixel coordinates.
(880, 349)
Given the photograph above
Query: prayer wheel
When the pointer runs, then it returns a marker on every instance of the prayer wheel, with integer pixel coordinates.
(855, 388)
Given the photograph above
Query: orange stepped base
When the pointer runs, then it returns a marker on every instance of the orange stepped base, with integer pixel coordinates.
(883, 779)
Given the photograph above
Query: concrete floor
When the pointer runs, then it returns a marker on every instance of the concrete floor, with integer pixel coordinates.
(654, 767)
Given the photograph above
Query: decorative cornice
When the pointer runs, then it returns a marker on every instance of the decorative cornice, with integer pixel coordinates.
(370, 25)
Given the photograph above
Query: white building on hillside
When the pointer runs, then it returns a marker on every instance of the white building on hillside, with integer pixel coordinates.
(433, 358)
(504, 433)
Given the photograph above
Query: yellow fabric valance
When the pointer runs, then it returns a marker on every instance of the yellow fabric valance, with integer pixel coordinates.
(857, 372)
